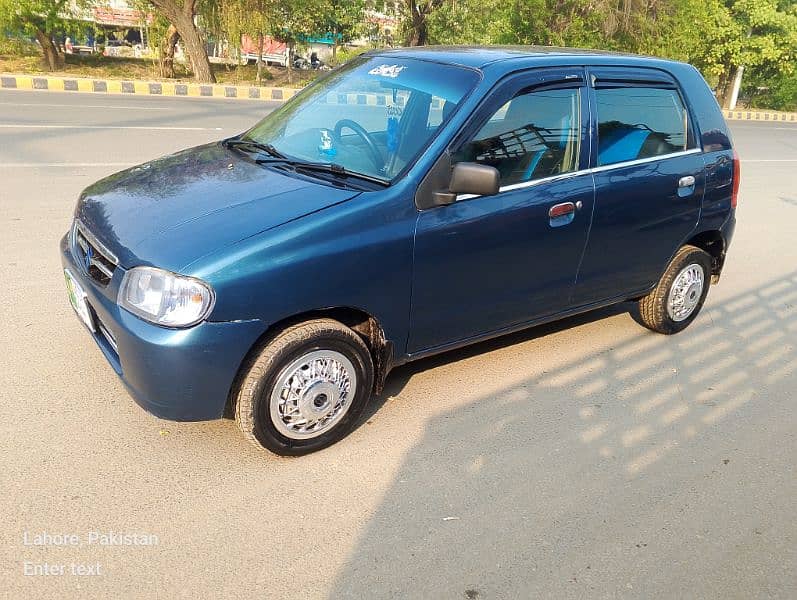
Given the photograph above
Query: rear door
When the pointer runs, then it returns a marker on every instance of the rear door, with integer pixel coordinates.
(489, 262)
(649, 182)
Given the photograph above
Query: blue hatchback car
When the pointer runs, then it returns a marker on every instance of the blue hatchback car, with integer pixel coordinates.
(408, 203)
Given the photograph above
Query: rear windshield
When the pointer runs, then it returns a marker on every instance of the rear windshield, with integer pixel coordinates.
(373, 116)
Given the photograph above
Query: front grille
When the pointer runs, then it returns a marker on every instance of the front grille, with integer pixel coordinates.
(106, 333)
(95, 258)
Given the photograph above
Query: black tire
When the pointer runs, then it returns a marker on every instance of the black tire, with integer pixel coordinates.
(261, 373)
(653, 310)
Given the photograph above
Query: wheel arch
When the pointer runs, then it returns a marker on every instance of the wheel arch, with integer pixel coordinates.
(713, 243)
(362, 323)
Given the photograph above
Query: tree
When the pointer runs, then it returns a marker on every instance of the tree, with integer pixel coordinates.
(760, 35)
(251, 18)
(162, 37)
(181, 14)
(166, 50)
(768, 90)
(720, 37)
(416, 25)
(293, 20)
(42, 19)
(344, 19)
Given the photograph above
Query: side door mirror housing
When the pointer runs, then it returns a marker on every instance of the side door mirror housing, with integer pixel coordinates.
(442, 184)
(472, 178)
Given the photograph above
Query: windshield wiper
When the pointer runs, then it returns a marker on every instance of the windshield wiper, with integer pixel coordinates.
(267, 148)
(278, 158)
(320, 167)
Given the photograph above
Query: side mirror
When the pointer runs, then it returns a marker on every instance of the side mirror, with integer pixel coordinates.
(471, 178)
(468, 178)
(442, 183)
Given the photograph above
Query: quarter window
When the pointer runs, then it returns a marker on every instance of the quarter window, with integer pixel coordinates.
(639, 122)
(534, 135)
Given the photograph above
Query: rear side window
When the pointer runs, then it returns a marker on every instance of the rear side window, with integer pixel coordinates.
(640, 122)
(534, 135)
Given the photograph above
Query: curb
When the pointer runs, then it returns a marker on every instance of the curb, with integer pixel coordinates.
(190, 90)
(757, 115)
(143, 88)
(246, 92)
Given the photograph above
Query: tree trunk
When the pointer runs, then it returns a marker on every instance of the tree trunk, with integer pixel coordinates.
(419, 12)
(289, 62)
(195, 48)
(732, 94)
(725, 85)
(418, 33)
(260, 43)
(167, 52)
(52, 60)
(181, 15)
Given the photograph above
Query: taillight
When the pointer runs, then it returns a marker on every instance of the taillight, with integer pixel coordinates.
(736, 179)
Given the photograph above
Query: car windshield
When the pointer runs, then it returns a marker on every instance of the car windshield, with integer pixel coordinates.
(373, 116)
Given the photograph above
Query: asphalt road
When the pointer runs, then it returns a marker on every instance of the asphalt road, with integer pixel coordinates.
(589, 458)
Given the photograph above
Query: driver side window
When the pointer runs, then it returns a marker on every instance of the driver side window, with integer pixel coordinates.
(536, 134)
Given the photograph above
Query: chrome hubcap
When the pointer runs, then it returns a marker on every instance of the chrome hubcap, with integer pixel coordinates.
(685, 292)
(312, 394)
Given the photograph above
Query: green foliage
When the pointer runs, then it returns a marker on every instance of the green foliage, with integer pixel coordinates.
(715, 35)
(771, 91)
(296, 18)
(345, 54)
(156, 28)
(18, 47)
(342, 18)
(250, 18)
(31, 16)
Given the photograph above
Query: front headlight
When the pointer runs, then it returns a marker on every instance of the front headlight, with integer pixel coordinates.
(165, 298)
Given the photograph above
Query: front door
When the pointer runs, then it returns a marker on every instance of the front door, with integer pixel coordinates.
(490, 262)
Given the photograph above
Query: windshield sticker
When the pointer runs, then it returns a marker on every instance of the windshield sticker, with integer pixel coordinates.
(387, 70)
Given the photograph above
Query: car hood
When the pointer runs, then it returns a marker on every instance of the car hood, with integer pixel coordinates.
(176, 209)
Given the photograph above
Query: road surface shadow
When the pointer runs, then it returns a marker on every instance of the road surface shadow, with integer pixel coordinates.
(400, 376)
(597, 462)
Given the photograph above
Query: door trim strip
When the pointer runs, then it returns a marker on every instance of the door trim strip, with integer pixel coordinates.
(600, 169)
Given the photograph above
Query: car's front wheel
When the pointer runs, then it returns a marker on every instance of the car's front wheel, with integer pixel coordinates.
(675, 301)
(304, 389)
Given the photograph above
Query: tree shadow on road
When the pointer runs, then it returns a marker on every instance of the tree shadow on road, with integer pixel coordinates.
(501, 496)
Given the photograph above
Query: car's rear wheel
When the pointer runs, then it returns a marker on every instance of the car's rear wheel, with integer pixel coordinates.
(678, 297)
(305, 389)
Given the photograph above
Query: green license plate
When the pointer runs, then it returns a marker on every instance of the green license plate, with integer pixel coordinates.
(77, 298)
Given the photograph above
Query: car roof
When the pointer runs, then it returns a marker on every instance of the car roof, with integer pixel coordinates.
(480, 57)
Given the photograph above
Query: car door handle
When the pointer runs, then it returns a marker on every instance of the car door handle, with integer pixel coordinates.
(562, 213)
(561, 210)
(686, 186)
(685, 182)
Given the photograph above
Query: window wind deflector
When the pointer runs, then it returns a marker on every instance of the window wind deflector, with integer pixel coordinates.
(617, 80)
(554, 83)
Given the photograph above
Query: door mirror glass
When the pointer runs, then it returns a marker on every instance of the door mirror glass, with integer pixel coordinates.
(470, 178)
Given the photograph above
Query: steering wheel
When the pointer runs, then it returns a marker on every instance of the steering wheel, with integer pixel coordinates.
(373, 150)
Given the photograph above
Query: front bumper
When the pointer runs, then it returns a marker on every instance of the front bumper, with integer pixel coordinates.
(176, 374)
